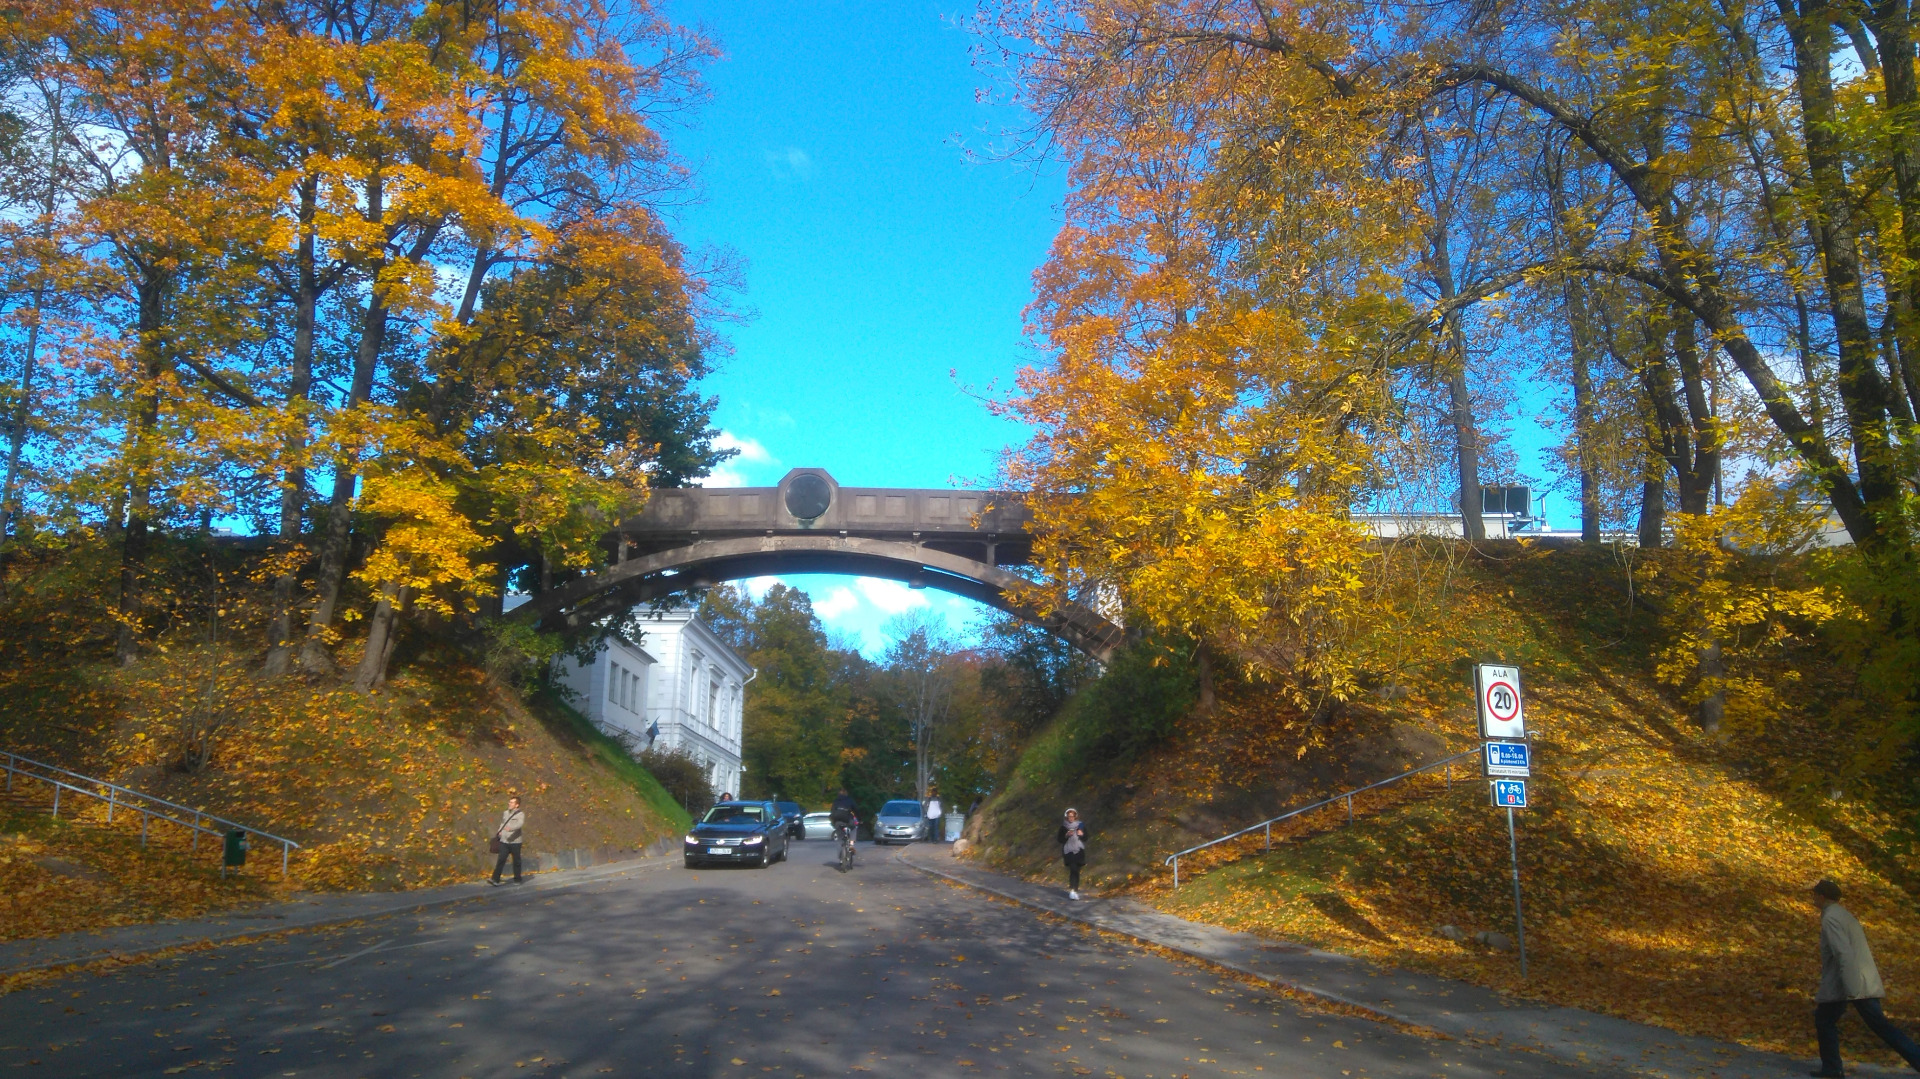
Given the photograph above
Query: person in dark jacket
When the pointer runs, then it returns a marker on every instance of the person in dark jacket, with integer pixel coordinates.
(512, 829)
(1073, 849)
(1848, 976)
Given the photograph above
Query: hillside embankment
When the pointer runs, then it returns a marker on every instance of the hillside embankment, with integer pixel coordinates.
(1665, 869)
(395, 789)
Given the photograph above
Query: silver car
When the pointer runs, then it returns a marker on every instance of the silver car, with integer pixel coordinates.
(900, 821)
(817, 826)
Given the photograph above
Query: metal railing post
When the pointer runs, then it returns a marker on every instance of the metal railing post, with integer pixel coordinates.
(1176, 872)
(1449, 775)
(1349, 809)
(147, 805)
(1269, 837)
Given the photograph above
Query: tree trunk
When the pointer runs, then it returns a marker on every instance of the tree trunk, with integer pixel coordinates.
(1892, 26)
(372, 670)
(1712, 708)
(1863, 393)
(1466, 437)
(1580, 355)
(30, 361)
(1702, 462)
(315, 655)
(1653, 503)
(294, 482)
(1203, 666)
(151, 292)
(22, 415)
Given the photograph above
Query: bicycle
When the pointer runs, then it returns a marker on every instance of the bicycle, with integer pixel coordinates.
(844, 833)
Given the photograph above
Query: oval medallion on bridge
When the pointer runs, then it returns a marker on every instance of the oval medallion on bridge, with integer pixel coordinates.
(808, 496)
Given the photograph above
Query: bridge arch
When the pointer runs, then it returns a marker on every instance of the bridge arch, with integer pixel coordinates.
(923, 538)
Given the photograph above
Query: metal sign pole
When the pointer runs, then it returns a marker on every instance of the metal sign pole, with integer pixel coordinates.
(1519, 916)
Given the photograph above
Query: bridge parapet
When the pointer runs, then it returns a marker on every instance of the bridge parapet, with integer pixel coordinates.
(957, 541)
(985, 526)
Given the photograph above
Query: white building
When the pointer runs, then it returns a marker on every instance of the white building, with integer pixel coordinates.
(673, 684)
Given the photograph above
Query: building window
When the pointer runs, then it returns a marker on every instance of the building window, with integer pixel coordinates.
(713, 705)
(613, 684)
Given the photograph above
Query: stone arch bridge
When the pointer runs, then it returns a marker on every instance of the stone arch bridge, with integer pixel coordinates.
(958, 541)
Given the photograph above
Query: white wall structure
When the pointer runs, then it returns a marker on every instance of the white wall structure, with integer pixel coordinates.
(678, 676)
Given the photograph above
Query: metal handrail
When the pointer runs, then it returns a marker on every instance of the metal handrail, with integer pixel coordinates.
(1174, 858)
(119, 797)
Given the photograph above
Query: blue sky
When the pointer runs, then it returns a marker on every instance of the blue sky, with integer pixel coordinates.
(885, 271)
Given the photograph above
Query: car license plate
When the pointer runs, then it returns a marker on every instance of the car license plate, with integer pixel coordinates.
(719, 850)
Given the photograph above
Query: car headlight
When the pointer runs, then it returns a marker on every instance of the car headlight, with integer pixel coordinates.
(693, 841)
(751, 840)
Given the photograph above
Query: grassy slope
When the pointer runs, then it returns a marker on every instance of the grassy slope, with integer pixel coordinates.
(1662, 885)
(399, 789)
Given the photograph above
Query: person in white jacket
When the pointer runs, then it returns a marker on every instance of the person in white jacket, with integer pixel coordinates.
(1848, 976)
(934, 812)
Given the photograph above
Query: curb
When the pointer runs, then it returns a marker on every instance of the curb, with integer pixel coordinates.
(146, 952)
(1563, 1055)
(1219, 964)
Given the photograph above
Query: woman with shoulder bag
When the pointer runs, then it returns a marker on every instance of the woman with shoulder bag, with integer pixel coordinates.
(1073, 849)
(506, 839)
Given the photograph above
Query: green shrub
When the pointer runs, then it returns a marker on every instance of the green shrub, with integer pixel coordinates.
(1146, 689)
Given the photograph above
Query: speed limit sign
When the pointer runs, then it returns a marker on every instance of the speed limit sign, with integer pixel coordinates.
(1502, 715)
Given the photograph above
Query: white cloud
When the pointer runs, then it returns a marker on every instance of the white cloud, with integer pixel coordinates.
(855, 613)
(791, 163)
(748, 467)
(838, 604)
(749, 450)
(890, 596)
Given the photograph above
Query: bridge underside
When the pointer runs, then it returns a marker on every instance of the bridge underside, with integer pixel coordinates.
(700, 563)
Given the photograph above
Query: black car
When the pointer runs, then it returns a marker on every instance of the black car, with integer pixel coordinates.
(795, 815)
(741, 833)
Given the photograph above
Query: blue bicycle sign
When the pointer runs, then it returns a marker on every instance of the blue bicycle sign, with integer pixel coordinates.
(1510, 794)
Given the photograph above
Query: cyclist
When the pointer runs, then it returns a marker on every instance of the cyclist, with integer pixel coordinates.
(844, 816)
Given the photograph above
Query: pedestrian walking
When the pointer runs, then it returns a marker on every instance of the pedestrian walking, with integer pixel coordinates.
(507, 837)
(1848, 976)
(934, 831)
(1073, 849)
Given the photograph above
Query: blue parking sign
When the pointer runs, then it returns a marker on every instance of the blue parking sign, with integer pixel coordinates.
(1510, 793)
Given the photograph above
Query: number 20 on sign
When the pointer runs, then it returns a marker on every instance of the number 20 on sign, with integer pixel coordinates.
(1502, 713)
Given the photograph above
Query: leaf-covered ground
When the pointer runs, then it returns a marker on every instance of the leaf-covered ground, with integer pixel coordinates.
(1665, 878)
(1655, 890)
(56, 877)
(394, 790)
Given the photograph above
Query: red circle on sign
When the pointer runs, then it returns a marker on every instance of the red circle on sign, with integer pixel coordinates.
(1503, 706)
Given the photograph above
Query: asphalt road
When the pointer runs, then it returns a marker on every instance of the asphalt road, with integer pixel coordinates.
(794, 970)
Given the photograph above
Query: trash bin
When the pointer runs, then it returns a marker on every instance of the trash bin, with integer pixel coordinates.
(237, 847)
(956, 823)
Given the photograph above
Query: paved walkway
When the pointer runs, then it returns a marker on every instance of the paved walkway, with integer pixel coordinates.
(128, 943)
(1453, 1008)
